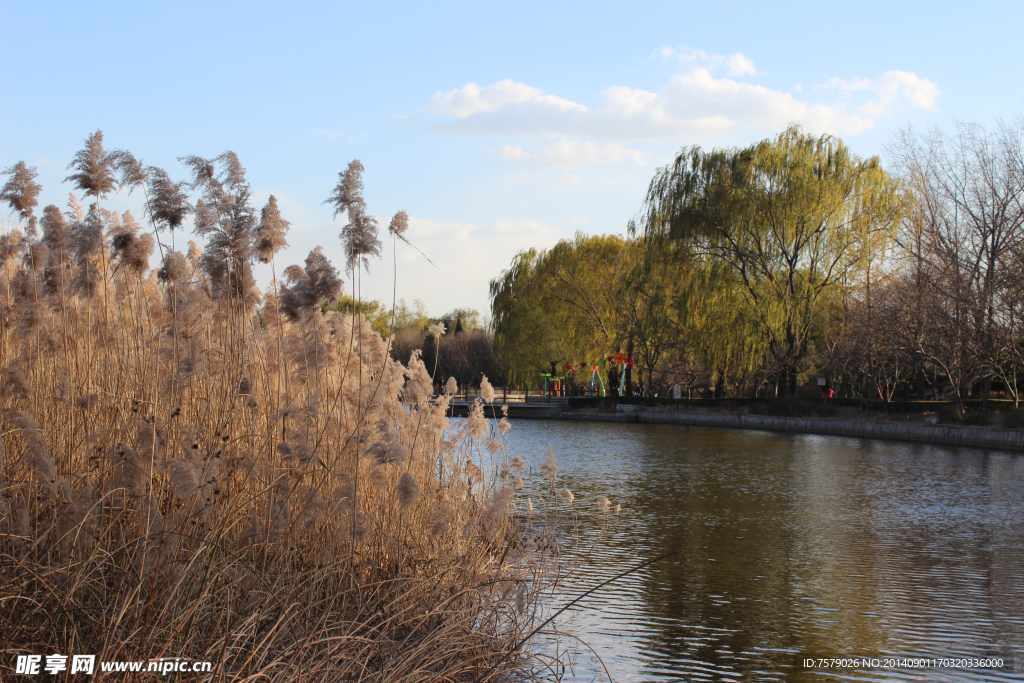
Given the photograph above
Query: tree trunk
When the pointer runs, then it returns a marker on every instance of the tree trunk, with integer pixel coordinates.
(629, 370)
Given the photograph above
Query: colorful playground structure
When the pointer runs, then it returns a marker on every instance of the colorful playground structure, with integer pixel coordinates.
(557, 382)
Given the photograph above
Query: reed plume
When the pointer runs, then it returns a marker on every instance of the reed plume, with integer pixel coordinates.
(21, 191)
(164, 489)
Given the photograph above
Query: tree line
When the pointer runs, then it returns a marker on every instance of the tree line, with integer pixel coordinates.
(464, 351)
(754, 271)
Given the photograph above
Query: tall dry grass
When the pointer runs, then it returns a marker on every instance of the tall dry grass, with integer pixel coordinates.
(188, 474)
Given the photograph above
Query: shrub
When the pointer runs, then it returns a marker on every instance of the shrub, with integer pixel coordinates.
(1014, 419)
(949, 414)
(977, 419)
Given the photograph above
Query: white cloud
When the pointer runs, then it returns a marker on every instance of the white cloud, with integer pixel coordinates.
(891, 90)
(691, 106)
(472, 99)
(509, 153)
(571, 153)
(571, 179)
(896, 88)
(736, 64)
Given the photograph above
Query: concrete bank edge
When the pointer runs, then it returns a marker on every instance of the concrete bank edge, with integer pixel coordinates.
(977, 437)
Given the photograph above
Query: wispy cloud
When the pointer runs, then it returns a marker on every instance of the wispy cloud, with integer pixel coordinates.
(400, 122)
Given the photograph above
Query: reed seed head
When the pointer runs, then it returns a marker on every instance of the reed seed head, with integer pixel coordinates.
(270, 236)
(87, 402)
(486, 390)
(399, 224)
(174, 268)
(550, 467)
(15, 383)
(408, 489)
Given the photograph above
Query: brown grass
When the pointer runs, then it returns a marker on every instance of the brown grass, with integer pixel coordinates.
(184, 476)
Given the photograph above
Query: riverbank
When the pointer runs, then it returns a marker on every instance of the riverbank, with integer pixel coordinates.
(919, 432)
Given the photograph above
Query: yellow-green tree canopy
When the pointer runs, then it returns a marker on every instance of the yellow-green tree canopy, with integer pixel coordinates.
(559, 306)
(791, 219)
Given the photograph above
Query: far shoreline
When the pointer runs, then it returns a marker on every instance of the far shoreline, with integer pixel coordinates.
(985, 437)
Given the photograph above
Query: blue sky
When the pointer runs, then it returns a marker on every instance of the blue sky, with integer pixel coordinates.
(497, 127)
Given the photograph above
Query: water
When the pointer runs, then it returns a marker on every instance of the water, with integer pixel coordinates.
(790, 546)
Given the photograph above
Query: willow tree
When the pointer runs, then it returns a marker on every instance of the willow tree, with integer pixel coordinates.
(561, 305)
(648, 328)
(789, 217)
(579, 279)
(524, 333)
(692, 316)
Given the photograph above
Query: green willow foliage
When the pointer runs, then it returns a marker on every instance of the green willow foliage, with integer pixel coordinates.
(790, 219)
(559, 306)
(737, 259)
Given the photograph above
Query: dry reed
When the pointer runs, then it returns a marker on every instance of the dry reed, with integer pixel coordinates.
(179, 478)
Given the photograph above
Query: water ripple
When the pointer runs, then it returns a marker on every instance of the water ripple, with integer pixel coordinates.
(791, 546)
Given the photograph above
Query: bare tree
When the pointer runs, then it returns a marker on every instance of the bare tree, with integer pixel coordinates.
(966, 228)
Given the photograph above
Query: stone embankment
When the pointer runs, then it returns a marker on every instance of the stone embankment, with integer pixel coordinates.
(978, 437)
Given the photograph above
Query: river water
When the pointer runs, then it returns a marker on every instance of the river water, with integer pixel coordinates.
(791, 547)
